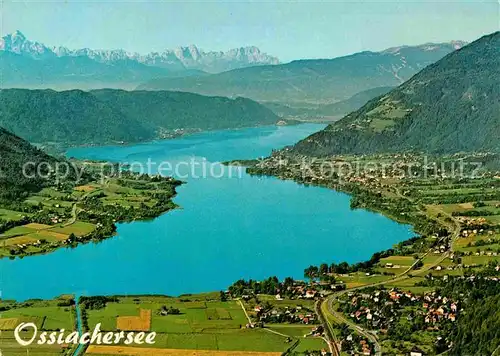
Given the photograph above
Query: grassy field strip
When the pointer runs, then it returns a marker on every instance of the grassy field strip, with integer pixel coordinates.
(245, 311)
(137, 351)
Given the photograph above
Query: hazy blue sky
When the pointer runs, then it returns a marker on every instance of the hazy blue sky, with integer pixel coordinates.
(289, 30)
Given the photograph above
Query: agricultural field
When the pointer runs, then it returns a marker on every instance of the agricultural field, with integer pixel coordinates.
(194, 316)
(301, 333)
(10, 347)
(311, 344)
(48, 315)
(194, 322)
(360, 279)
(35, 237)
(409, 284)
(6, 214)
(136, 351)
(79, 228)
(395, 264)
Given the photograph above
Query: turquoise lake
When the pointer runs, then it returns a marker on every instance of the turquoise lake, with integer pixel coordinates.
(225, 229)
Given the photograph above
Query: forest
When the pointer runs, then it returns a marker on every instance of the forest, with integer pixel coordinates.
(76, 117)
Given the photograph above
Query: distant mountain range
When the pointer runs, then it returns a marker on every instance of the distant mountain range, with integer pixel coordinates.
(78, 117)
(26, 63)
(450, 106)
(316, 81)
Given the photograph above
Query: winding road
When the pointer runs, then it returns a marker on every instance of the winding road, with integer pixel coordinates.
(370, 335)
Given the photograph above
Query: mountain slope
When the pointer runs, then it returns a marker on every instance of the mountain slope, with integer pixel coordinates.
(176, 110)
(450, 106)
(14, 154)
(353, 103)
(329, 112)
(321, 81)
(76, 117)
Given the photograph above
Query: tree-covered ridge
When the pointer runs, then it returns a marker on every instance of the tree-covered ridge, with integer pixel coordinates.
(450, 106)
(74, 116)
(14, 154)
(478, 332)
(77, 117)
(177, 110)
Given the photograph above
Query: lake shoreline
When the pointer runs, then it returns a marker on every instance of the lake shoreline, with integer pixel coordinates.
(211, 257)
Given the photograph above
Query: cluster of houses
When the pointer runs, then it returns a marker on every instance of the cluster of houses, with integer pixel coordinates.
(381, 309)
(293, 315)
(302, 292)
(441, 249)
(354, 344)
(37, 243)
(481, 253)
(438, 308)
(365, 348)
(321, 170)
(298, 291)
(473, 232)
(473, 222)
(56, 219)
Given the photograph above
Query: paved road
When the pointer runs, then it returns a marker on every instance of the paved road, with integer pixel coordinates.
(366, 333)
(72, 220)
(404, 275)
(330, 338)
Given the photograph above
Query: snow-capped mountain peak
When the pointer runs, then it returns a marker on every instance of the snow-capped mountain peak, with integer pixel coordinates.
(17, 42)
(190, 57)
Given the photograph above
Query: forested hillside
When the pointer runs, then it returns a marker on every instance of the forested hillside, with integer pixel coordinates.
(478, 330)
(174, 110)
(14, 154)
(108, 116)
(78, 117)
(450, 106)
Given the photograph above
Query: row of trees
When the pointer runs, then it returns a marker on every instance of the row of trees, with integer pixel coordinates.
(270, 286)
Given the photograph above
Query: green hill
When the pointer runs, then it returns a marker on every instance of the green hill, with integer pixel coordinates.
(450, 106)
(315, 81)
(77, 117)
(173, 110)
(14, 154)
